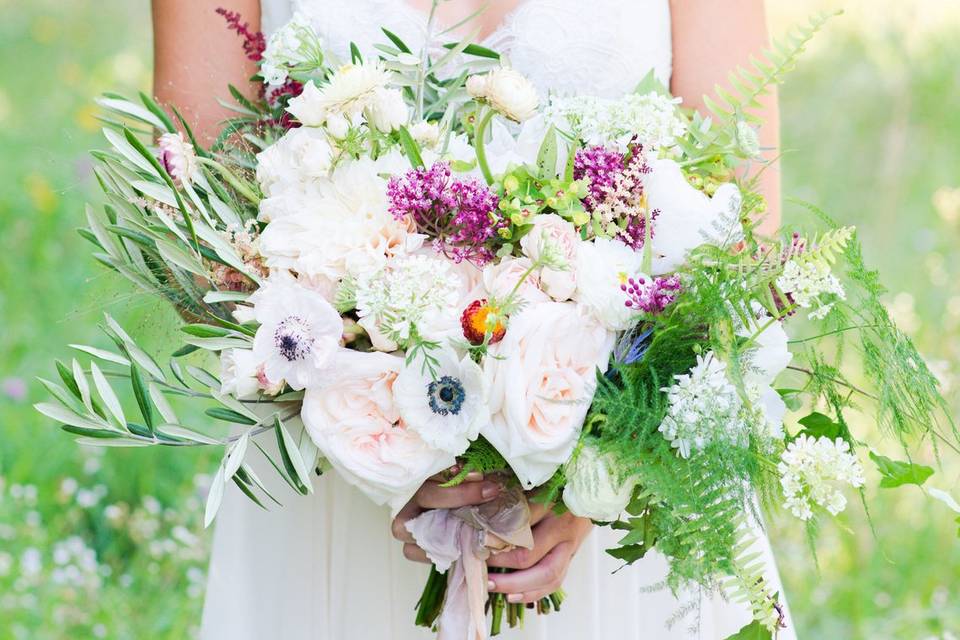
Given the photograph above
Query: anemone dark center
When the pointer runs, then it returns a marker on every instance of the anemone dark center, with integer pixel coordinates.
(292, 338)
(446, 396)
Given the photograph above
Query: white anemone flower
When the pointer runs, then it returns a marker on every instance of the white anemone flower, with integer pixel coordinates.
(446, 409)
(298, 336)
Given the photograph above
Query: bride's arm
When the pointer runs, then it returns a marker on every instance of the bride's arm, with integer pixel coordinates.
(196, 56)
(710, 39)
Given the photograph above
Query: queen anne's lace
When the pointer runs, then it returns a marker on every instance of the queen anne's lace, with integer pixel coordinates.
(812, 471)
(704, 408)
(806, 281)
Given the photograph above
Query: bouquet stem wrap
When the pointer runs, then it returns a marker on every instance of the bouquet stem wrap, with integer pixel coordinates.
(460, 541)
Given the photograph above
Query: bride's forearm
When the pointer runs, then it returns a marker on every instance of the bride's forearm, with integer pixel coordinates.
(196, 56)
(710, 39)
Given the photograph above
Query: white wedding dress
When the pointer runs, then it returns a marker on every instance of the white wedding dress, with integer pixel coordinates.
(324, 566)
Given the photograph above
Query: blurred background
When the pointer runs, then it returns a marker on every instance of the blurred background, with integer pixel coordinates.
(111, 545)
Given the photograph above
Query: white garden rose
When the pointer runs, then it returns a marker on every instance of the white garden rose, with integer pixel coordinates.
(687, 217)
(602, 267)
(356, 424)
(500, 279)
(388, 110)
(552, 232)
(508, 91)
(541, 378)
(290, 169)
(593, 489)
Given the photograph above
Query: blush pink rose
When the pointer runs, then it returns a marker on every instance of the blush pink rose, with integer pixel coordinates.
(541, 380)
(562, 237)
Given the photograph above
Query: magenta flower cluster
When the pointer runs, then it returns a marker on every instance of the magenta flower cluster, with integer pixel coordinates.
(651, 295)
(616, 189)
(600, 166)
(459, 215)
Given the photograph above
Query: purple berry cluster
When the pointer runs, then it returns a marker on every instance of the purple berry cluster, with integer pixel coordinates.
(651, 295)
(460, 215)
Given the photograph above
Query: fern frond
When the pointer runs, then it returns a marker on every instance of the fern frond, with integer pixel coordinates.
(746, 85)
(828, 246)
(748, 583)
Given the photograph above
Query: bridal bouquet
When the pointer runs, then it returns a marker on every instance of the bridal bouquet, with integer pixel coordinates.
(409, 262)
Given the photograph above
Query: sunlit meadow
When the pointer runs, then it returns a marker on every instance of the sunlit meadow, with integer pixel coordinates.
(111, 545)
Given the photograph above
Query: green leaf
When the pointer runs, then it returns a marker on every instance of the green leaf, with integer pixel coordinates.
(897, 473)
(630, 553)
(214, 498)
(547, 156)
(476, 50)
(819, 425)
(142, 395)
(398, 43)
(107, 356)
(107, 394)
(228, 415)
(410, 148)
(355, 55)
(791, 398)
(292, 460)
(753, 631)
(155, 109)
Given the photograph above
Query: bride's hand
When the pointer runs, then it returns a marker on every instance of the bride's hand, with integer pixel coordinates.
(540, 571)
(473, 490)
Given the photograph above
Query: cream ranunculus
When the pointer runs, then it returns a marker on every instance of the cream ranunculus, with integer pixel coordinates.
(552, 232)
(238, 373)
(356, 424)
(604, 265)
(541, 381)
(687, 217)
(508, 91)
(594, 490)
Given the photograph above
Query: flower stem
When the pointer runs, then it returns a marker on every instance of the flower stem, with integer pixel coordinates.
(479, 135)
(241, 187)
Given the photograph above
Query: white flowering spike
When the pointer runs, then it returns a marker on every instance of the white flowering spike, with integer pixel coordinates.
(805, 281)
(704, 408)
(812, 471)
(508, 91)
(299, 334)
(446, 408)
(178, 157)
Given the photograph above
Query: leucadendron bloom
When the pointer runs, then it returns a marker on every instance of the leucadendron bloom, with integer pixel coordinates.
(508, 91)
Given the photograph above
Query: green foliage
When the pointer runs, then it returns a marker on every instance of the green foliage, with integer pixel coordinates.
(896, 474)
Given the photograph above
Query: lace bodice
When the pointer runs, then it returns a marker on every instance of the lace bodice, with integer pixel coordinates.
(596, 47)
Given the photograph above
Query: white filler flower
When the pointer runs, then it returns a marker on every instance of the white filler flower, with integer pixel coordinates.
(295, 44)
(445, 409)
(299, 334)
(812, 472)
(806, 281)
(704, 408)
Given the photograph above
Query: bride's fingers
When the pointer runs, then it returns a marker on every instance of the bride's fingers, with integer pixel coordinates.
(546, 536)
(432, 496)
(538, 511)
(399, 525)
(414, 553)
(543, 578)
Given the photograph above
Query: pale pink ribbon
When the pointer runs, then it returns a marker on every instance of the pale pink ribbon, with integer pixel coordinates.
(459, 541)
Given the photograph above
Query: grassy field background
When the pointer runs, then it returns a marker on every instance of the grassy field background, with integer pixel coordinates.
(112, 545)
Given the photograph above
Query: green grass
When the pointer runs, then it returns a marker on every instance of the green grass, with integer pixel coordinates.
(873, 129)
